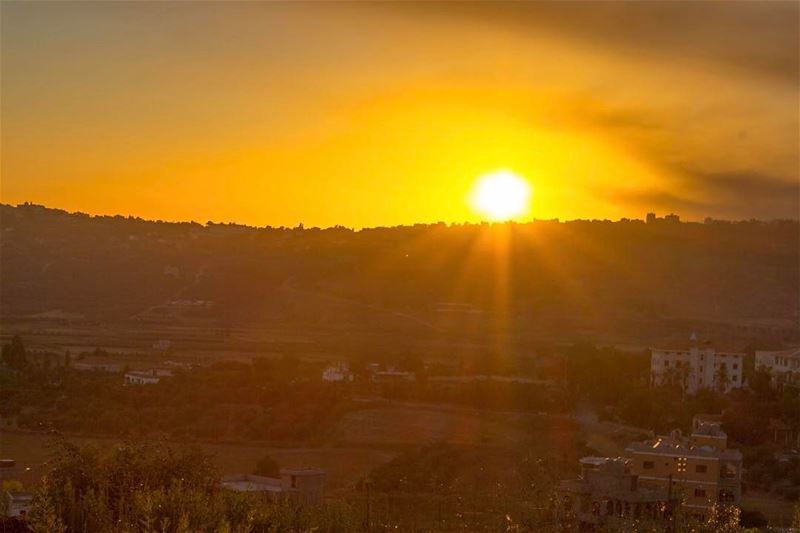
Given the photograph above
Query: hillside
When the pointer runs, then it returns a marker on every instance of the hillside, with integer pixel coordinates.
(625, 279)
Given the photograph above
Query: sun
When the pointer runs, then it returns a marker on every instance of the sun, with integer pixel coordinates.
(501, 195)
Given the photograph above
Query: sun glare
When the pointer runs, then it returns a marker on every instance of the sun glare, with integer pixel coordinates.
(501, 195)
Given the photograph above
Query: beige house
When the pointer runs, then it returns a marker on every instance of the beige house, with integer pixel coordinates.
(608, 492)
(701, 469)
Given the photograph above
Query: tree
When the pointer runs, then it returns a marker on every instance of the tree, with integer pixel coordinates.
(148, 488)
(676, 376)
(43, 517)
(14, 354)
(267, 466)
(761, 383)
(721, 378)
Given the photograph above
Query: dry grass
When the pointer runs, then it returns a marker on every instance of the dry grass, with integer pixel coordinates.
(407, 425)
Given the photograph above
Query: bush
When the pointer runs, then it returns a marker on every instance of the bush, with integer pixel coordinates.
(267, 466)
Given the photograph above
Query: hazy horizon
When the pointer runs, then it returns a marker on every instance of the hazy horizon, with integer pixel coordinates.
(659, 215)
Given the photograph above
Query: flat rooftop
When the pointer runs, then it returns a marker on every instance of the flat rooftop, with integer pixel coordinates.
(249, 483)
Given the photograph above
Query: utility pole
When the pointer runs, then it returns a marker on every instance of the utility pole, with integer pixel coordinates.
(368, 523)
(670, 508)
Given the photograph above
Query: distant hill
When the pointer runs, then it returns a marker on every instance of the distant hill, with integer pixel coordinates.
(540, 276)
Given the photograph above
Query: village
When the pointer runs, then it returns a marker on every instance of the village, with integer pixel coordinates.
(686, 474)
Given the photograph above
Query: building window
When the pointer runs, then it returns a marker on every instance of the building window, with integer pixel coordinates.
(666, 363)
(701, 469)
(729, 471)
(700, 493)
(681, 464)
(736, 366)
(648, 465)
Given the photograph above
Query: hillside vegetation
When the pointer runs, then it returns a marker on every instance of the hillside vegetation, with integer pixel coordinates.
(525, 278)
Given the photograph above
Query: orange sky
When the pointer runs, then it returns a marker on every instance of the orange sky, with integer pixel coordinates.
(376, 114)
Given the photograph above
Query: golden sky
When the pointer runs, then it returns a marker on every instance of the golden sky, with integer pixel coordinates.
(367, 114)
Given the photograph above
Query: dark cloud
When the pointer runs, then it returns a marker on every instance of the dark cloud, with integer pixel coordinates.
(708, 179)
(623, 120)
(760, 37)
(741, 194)
(746, 184)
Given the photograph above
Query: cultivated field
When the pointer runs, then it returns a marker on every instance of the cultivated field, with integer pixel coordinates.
(406, 424)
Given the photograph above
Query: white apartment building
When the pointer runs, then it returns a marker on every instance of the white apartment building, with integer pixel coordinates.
(337, 372)
(783, 366)
(696, 368)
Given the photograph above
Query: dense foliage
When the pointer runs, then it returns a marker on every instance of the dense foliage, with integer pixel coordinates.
(560, 277)
(229, 401)
(148, 488)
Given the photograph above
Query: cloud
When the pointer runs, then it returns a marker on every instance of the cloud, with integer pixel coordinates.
(762, 38)
(740, 194)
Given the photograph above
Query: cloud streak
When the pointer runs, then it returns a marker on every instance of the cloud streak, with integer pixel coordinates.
(759, 37)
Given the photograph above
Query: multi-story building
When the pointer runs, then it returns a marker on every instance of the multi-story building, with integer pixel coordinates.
(697, 367)
(701, 469)
(608, 493)
(783, 366)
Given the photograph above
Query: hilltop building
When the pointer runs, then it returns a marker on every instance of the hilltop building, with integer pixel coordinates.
(697, 367)
(608, 492)
(701, 469)
(651, 218)
(783, 367)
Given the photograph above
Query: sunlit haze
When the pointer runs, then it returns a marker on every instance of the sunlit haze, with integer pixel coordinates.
(376, 114)
(501, 195)
(408, 266)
